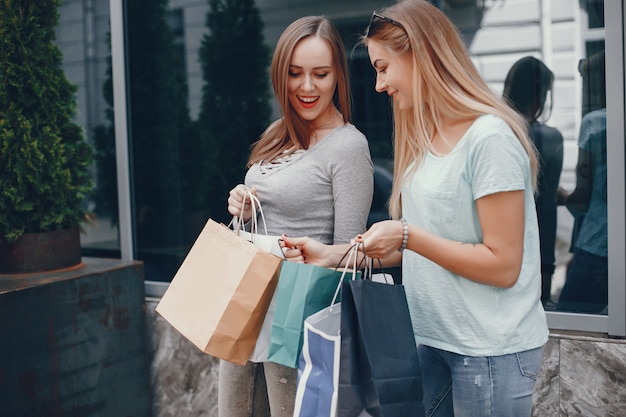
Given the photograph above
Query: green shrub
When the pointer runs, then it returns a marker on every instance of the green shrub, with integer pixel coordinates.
(44, 158)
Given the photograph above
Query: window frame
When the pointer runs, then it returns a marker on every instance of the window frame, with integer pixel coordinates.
(615, 17)
(614, 324)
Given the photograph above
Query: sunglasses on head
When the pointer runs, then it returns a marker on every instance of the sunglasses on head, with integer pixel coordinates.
(377, 21)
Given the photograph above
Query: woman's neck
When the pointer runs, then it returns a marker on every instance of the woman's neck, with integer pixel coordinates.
(320, 132)
(451, 133)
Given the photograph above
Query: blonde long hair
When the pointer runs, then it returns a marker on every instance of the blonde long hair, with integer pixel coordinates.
(291, 131)
(446, 84)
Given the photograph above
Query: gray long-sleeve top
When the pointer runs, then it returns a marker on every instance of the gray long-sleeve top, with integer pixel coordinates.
(324, 193)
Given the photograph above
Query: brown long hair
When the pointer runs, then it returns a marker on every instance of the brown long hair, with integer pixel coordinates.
(446, 84)
(526, 87)
(291, 131)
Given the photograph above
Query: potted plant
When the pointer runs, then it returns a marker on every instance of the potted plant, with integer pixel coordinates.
(44, 158)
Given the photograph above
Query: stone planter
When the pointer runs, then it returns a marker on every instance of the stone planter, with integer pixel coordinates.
(74, 342)
(37, 252)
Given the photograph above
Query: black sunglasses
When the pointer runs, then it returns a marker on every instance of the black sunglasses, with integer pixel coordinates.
(377, 20)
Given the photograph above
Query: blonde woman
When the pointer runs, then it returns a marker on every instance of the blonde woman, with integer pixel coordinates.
(465, 228)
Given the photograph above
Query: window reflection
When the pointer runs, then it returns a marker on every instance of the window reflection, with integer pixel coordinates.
(182, 169)
(585, 289)
(528, 87)
(595, 13)
(163, 45)
(82, 36)
(580, 279)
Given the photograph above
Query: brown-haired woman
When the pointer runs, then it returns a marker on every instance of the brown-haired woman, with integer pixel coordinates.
(312, 172)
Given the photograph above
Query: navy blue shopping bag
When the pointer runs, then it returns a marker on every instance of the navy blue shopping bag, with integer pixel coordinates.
(379, 372)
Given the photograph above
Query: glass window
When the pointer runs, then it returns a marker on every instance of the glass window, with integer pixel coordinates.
(161, 139)
(585, 288)
(82, 36)
(172, 174)
(583, 283)
(595, 12)
(183, 163)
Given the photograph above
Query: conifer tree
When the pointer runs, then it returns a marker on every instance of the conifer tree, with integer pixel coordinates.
(44, 158)
(235, 102)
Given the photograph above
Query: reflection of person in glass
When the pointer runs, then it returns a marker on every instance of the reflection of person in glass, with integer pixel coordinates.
(586, 284)
(526, 87)
(312, 172)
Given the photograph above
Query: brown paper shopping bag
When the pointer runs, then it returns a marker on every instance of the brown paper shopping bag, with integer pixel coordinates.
(259, 237)
(220, 294)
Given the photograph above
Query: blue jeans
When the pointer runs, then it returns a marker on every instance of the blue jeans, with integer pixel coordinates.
(252, 390)
(488, 386)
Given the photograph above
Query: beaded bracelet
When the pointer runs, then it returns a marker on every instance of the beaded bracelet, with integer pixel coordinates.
(405, 234)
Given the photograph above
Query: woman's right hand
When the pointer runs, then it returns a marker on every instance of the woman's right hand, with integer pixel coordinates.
(238, 199)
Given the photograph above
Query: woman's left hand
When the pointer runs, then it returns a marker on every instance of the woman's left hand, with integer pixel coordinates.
(310, 251)
(290, 250)
(381, 240)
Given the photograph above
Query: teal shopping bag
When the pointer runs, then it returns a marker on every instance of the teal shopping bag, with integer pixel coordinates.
(303, 290)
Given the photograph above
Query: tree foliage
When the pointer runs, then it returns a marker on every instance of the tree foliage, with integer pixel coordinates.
(159, 121)
(236, 96)
(179, 166)
(44, 158)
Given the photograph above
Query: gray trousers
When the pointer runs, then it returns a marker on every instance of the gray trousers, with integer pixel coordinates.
(256, 390)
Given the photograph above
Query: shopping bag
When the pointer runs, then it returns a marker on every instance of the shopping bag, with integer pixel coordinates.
(269, 243)
(318, 368)
(303, 289)
(221, 292)
(379, 373)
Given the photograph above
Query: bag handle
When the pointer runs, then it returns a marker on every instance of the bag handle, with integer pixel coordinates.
(352, 252)
(256, 209)
(238, 226)
(369, 268)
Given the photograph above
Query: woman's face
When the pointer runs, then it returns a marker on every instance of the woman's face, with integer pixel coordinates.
(312, 81)
(393, 74)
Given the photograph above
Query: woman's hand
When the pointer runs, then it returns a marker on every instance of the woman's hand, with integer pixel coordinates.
(310, 251)
(306, 250)
(239, 203)
(382, 239)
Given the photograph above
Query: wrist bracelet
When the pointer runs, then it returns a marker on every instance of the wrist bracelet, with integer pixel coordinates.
(405, 234)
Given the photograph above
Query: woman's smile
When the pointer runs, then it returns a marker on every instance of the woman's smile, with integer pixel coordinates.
(308, 102)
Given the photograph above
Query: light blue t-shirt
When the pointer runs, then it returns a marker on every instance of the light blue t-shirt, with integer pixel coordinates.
(448, 311)
(593, 234)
